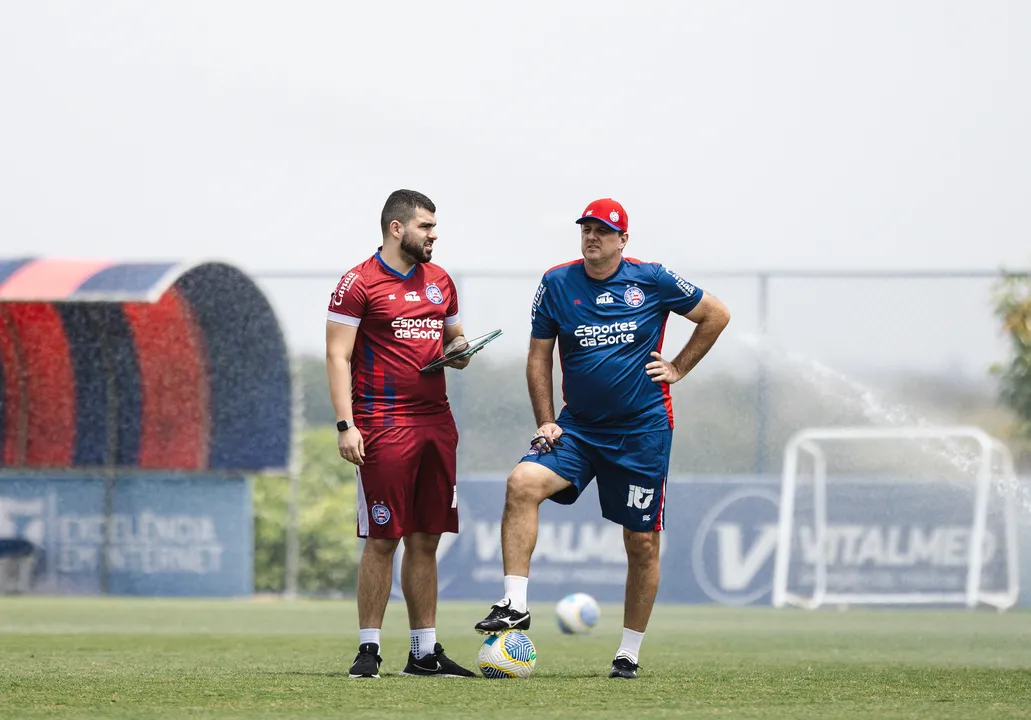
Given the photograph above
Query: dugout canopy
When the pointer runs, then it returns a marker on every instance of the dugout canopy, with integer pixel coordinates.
(159, 366)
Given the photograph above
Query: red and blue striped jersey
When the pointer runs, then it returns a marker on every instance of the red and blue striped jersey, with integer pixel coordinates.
(606, 330)
(400, 321)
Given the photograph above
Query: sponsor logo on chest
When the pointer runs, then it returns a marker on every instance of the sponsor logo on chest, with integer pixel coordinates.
(617, 333)
(417, 328)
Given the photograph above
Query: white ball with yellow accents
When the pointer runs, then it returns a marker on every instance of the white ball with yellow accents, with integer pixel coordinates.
(577, 614)
(508, 655)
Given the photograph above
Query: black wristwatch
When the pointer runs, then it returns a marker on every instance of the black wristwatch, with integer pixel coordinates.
(342, 425)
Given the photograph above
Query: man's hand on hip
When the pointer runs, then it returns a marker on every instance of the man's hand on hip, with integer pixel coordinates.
(660, 370)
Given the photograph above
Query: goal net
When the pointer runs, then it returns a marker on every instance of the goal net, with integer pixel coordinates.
(906, 516)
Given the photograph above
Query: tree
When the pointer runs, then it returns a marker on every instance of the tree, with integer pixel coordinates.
(326, 521)
(716, 410)
(1013, 307)
(318, 408)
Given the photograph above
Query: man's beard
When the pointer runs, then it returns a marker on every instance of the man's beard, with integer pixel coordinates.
(414, 250)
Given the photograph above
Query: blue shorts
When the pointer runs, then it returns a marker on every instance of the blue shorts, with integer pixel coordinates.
(631, 472)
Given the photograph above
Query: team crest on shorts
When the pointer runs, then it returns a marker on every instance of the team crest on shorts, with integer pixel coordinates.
(380, 514)
(634, 296)
(434, 295)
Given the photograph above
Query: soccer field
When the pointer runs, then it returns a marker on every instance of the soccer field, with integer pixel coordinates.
(104, 657)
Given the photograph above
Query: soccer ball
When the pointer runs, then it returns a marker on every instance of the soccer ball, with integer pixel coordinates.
(508, 655)
(577, 613)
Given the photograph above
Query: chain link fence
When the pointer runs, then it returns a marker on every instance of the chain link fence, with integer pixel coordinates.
(803, 348)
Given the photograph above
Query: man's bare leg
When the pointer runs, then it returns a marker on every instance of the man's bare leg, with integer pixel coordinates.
(529, 485)
(375, 574)
(419, 584)
(642, 585)
(419, 579)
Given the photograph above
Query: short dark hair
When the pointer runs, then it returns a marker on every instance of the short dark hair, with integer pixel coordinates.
(401, 206)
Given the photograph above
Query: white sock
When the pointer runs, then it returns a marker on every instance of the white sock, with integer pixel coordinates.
(423, 641)
(631, 645)
(515, 591)
(368, 635)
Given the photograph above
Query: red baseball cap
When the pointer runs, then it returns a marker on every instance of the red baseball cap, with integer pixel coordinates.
(607, 211)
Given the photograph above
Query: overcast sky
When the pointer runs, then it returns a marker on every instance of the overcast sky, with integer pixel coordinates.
(739, 135)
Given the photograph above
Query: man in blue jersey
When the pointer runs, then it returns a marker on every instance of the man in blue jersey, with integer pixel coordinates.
(608, 313)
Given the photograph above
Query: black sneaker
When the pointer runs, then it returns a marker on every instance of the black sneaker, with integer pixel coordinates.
(366, 663)
(502, 617)
(623, 667)
(436, 663)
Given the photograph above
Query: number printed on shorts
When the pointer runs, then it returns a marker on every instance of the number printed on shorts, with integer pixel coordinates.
(639, 497)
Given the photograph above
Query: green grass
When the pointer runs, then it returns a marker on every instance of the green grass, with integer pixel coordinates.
(128, 658)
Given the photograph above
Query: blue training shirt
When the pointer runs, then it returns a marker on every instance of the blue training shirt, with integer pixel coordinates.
(606, 330)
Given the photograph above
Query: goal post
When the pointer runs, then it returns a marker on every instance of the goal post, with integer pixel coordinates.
(906, 561)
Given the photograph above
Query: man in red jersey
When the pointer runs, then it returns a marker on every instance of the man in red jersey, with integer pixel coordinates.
(388, 317)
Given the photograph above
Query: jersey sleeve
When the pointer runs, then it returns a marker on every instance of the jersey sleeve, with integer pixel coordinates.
(677, 294)
(349, 300)
(451, 313)
(543, 324)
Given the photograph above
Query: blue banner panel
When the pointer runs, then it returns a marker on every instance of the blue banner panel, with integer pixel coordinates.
(167, 535)
(720, 543)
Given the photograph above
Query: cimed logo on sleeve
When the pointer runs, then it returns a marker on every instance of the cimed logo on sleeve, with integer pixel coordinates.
(434, 295)
(537, 299)
(685, 287)
(634, 296)
(345, 284)
(380, 514)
